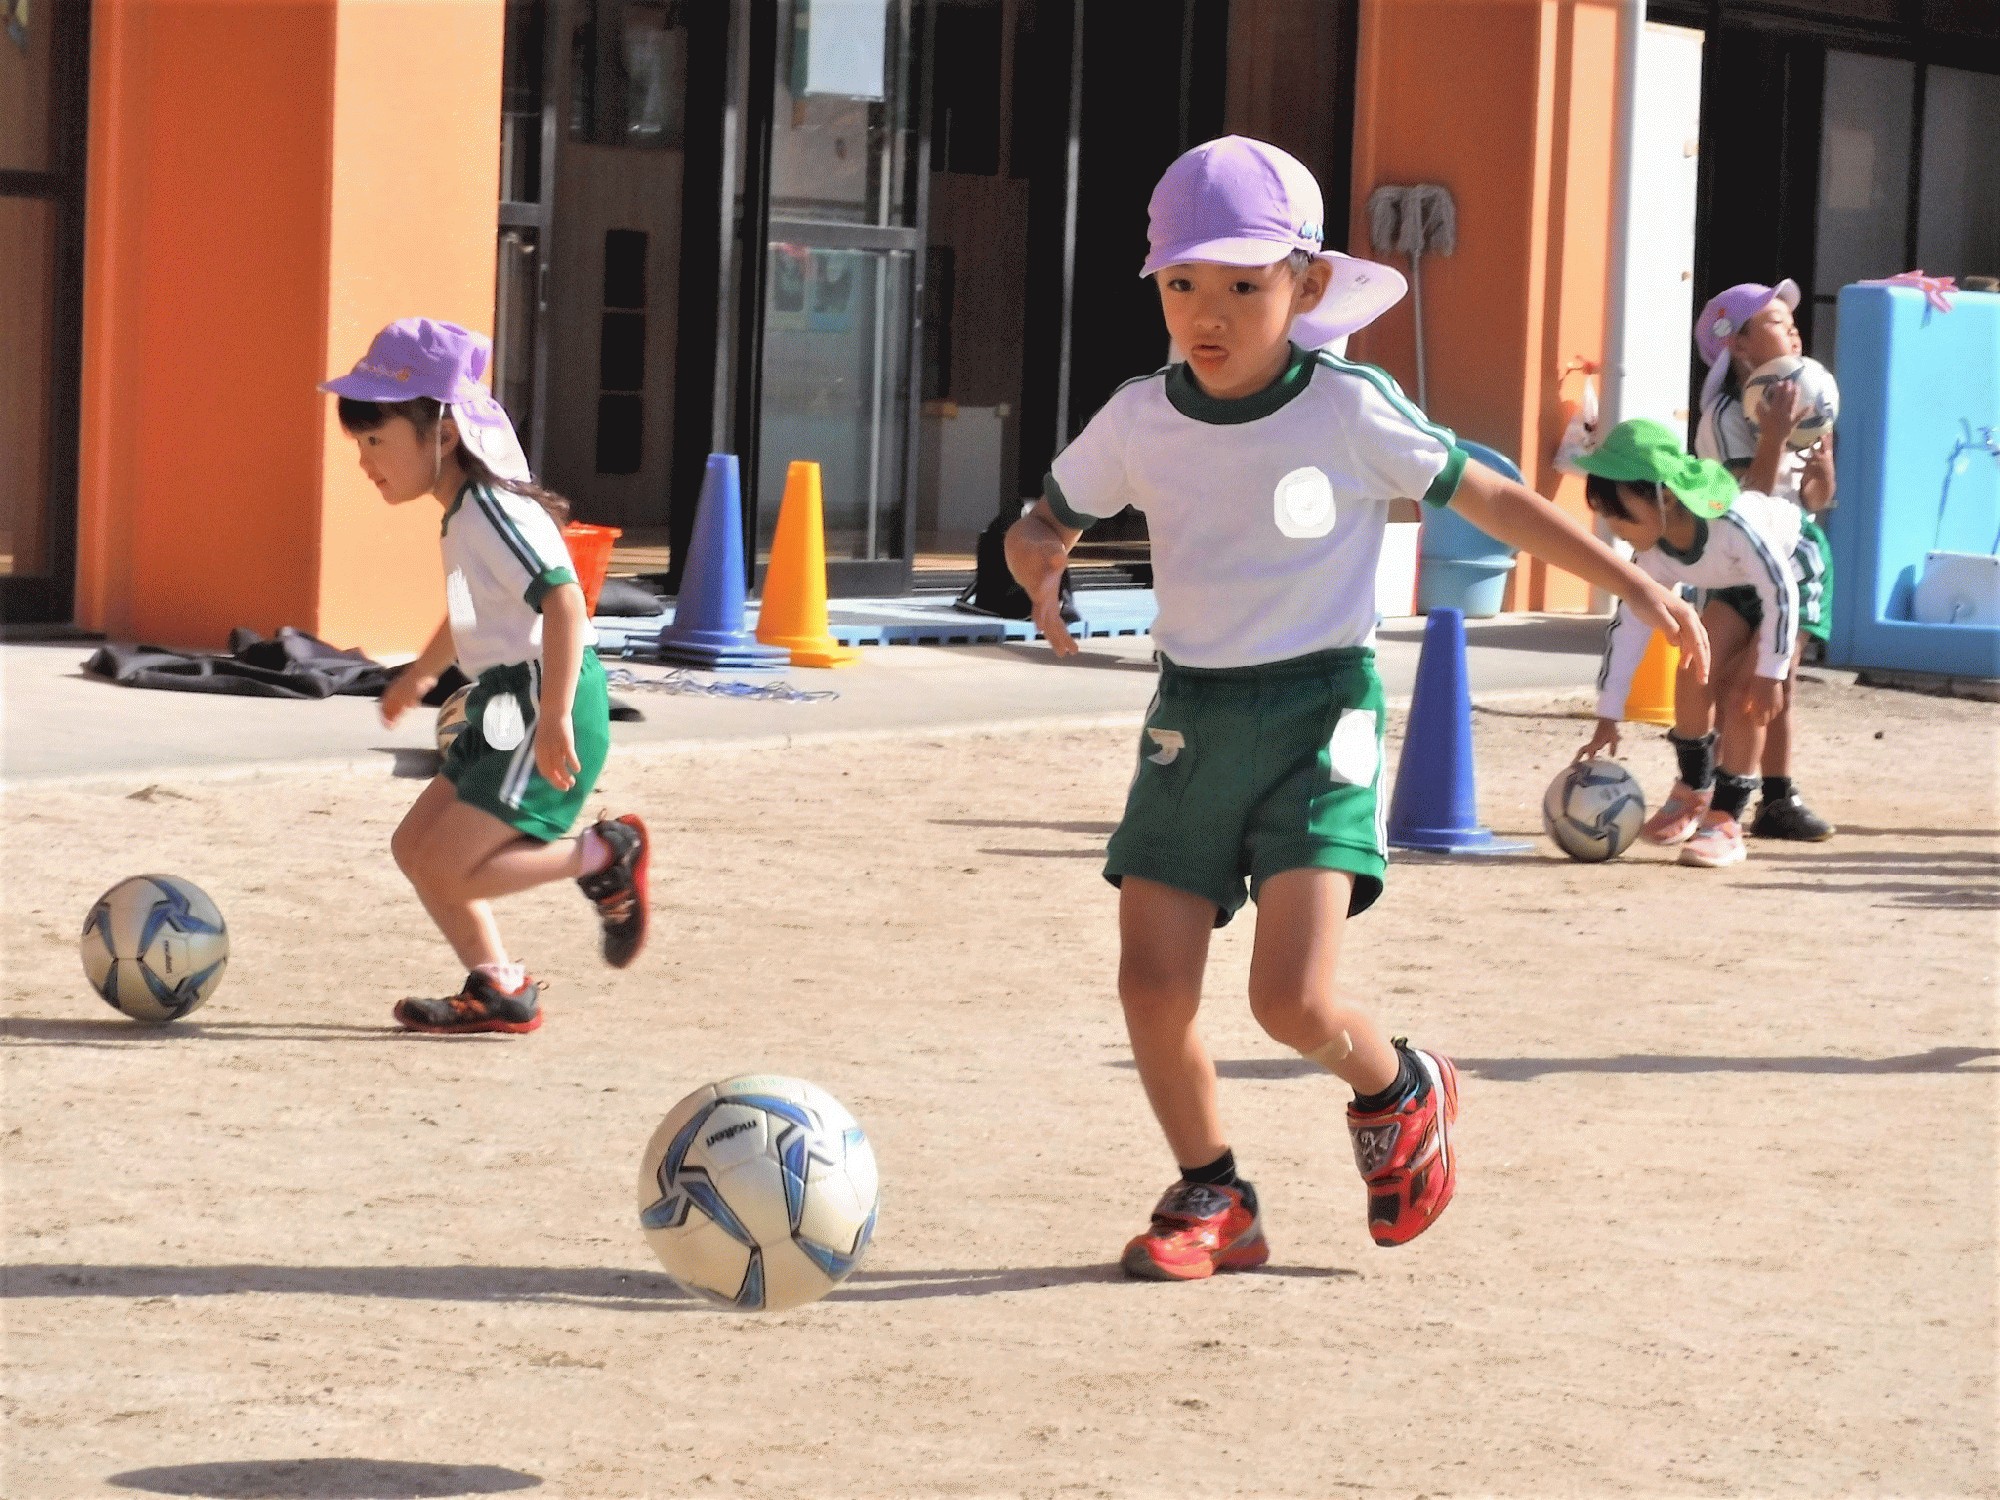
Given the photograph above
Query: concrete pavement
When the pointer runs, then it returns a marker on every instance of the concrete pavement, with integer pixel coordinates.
(57, 724)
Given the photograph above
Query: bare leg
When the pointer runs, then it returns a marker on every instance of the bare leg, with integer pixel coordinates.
(439, 844)
(1301, 915)
(1163, 950)
(1777, 759)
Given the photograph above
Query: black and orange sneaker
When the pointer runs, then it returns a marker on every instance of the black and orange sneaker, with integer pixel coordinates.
(480, 1006)
(1197, 1230)
(619, 889)
(1404, 1152)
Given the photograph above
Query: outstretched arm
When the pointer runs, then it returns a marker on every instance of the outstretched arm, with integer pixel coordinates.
(1037, 552)
(1516, 514)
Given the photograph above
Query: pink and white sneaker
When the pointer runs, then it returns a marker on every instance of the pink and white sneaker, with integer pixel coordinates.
(1678, 816)
(1718, 842)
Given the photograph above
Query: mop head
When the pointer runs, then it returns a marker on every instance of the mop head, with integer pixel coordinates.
(1420, 220)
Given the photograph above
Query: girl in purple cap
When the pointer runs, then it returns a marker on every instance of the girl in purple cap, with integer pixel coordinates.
(1265, 467)
(1738, 331)
(538, 725)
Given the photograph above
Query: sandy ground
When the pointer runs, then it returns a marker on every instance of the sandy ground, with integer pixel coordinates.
(1725, 1222)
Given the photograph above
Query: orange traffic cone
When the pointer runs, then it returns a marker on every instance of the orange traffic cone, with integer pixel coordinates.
(793, 613)
(1651, 700)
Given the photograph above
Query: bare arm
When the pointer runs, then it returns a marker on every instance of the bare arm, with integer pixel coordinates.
(420, 676)
(1516, 514)
(1782, 409)
(563, 621)
(1817, 484)
(1037, 552)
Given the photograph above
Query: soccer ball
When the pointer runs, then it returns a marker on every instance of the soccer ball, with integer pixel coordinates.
(1816, 389)
(1593, 810)
(451, 719)
(758, 1192)
(154, 946)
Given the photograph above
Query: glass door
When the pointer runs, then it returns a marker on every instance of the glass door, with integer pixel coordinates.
(43, 52)
(834, 381)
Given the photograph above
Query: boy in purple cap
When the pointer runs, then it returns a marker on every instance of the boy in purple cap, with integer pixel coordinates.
(1265, 468)
(494, 820)
(1739, 330)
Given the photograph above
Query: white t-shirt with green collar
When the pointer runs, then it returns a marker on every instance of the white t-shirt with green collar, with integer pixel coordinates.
(502, 554)
(1267, 512)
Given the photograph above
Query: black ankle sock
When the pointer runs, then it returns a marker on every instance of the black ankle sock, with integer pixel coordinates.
(1405, 1085)
(1697, 760)
(1732, 793)
(1219, 1173)
(1777, 788)
(1222, 1173)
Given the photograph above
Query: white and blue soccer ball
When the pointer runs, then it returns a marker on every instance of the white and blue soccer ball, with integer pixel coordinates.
(1593, 810)
(154, 947)
(758, 1192)
(451, 720)
(1817, 389)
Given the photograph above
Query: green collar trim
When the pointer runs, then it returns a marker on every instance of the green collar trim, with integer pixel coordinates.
(1190, 400)
(1693, 554)
(452, 509)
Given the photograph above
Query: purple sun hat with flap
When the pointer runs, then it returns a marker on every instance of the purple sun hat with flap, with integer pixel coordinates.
(415, 357)
(1723, 318)
(1241, 202)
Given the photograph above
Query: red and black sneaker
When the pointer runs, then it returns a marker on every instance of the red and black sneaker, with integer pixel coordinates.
(619, 889)
(1404, 1152)
(480, 1006)
(1197, 1230)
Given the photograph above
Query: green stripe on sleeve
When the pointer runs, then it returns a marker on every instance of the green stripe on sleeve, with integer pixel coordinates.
(1446, 484)
(542, 582)
(1074, 519)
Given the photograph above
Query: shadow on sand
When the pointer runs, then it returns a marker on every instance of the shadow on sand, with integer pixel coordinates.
(324, 1479)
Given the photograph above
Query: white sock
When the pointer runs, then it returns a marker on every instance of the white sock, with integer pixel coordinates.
(507, 978)
(597, 853)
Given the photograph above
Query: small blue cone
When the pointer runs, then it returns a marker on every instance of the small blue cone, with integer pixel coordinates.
(707, 629)
(1436, 806)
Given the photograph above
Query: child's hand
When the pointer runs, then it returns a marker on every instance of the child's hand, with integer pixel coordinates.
(1762, 698)
(1676, 619)
(1817, 481)
(404, 694)
(1782, 409)
(1046, 598)
(555, 751)
(1603, 742)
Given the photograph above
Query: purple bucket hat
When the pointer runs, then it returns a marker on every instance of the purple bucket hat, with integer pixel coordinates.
(1239, 202)
(415, 357)
(1723, 318)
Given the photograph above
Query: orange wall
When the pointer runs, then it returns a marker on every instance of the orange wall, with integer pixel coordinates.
(269, 182)
(1508, 103)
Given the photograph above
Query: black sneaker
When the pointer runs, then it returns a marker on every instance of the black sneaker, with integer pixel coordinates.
(619, 889)
(1789, 818)
(480, 1006)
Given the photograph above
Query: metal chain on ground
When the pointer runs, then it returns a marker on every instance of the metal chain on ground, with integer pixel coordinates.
(682, 681)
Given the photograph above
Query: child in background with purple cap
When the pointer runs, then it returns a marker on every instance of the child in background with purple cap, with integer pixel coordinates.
(494, 820)
(1265, 468)
(1740, 330)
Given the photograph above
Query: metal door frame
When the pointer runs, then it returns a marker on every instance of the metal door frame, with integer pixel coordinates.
(50, 597)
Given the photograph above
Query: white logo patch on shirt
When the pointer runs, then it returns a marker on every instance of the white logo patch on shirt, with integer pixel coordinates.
(1303, 504)
(1171, 743)
(1352, 754)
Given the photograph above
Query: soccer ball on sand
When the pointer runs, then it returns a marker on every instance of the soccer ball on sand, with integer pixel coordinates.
(758, 1193)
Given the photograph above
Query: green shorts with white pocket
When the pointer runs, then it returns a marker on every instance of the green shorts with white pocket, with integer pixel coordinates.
(1245, 772)
(1812, 570)
(503, 780)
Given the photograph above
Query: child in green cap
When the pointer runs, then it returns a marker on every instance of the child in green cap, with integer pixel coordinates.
(1687, 523)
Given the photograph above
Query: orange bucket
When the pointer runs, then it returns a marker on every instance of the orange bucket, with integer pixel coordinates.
(590, 549)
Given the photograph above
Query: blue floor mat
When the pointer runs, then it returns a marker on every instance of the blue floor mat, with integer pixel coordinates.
(912, 621)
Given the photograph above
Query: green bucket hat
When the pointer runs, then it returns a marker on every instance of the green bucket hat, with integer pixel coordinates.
(1643, 450)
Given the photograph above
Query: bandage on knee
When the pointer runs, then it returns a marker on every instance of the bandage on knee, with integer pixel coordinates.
(1333, 1053)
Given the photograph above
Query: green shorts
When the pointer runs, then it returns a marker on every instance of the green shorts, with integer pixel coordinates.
(1812, 570)
(1245, 772)
(505, 782)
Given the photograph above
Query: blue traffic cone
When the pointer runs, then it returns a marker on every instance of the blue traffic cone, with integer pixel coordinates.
(707, 629)
(1436, 807)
